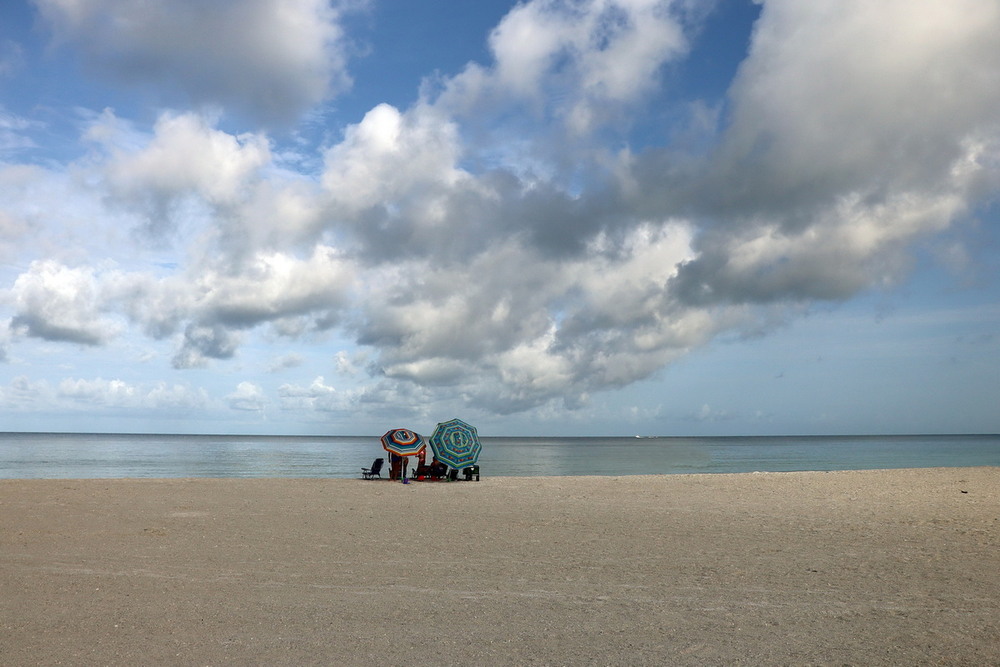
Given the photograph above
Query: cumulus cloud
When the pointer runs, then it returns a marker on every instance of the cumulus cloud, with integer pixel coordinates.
(904, 88)
(60, 303)
(347, 364)
(600, 52)
(274, 286)
(269, 59)
(217, 305)
(515, 330)
(509, 270)
(202, 343)
(376, 402)
(98, 391)
(95, 393)
(388, 155)
(394, 182)
(173, 396)
(188, 179)
(185, 157)
(317, 396)
(816, 190)
(248, 397)
(854, 129)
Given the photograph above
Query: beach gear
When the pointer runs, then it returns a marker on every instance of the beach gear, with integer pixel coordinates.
(403, 442)
(456, 444)
(374, 471)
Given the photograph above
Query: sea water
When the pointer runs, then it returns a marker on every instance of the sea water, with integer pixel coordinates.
(74, 455)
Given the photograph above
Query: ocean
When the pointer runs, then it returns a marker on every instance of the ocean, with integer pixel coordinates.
(87, 455)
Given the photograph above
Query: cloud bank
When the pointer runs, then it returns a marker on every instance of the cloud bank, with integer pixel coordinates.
(506, 243)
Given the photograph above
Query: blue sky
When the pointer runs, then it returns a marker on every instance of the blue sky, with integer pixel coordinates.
(582, 217)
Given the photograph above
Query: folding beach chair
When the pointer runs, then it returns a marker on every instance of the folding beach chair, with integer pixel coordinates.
(374, 471)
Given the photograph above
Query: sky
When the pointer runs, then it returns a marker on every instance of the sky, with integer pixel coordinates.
(547, 217)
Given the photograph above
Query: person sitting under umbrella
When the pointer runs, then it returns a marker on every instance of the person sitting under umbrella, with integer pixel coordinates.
(438, 469)
(397, 465)
(423, 470)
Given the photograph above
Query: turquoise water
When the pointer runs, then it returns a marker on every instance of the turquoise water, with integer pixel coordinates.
(66, 456)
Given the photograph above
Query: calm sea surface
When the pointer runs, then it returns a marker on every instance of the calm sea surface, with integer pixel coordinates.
(46, 455)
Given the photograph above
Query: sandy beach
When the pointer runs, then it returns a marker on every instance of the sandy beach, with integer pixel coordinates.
(894, 567)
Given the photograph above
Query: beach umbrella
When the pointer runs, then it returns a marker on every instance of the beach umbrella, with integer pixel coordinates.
(403, 442)
(456, 444)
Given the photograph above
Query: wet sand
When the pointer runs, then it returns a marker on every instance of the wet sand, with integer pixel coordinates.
(865, 568)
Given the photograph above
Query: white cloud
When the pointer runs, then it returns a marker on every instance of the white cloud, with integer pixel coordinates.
(59, 303)
(514, 331)
(190, 181)
(597, 53)
(861, 95)
(185, 158)
(215, 307)
(248, 397)
(473, 254)
(202, 343)
(274, 286)
(855, 129)
(816, 192)
(186, 154)
(270, 59)
(389, 157)
(99, 393)
(318, 396)
(164, 396)
(347, 364)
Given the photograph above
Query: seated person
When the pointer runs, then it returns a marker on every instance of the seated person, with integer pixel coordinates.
(438, 469)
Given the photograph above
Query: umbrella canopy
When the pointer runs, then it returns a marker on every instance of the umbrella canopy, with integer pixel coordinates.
(456, 444)
(403, 442)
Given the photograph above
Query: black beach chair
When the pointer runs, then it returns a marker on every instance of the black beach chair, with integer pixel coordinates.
(374, 471)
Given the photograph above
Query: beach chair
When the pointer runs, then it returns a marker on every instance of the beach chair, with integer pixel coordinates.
(374, 471)
(470, 472)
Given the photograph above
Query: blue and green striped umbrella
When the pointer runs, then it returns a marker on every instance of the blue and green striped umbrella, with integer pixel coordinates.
(456, 444)
(403, 442)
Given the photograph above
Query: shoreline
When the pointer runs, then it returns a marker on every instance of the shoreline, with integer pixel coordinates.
(105, 457)
(485, 477)
(877, 567)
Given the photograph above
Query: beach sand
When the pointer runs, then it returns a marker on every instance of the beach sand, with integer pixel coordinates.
(896, 567)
